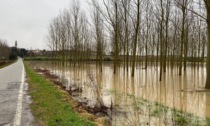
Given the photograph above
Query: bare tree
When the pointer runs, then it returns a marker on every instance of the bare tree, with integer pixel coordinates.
(98, 23)
(138, 4)
(4, 50)
(207, 3)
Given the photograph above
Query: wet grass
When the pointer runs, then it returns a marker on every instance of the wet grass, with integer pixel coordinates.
(171, 115)
(156, 112)
(180, 118)
(39, 58)
(49, 105)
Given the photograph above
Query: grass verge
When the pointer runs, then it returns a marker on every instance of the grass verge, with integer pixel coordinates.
(49, 106)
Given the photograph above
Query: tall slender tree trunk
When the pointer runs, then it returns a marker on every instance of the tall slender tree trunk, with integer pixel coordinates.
(199, 46)
(161, 40)
(186, 48)
(136, 38)
(203, 50)
(158, 45)
(208, 47)
(116, 50)
(182, 40)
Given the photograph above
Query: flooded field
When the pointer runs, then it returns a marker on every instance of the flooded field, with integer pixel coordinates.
(140, 100)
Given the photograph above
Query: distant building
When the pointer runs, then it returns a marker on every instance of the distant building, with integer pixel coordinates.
(36, 52)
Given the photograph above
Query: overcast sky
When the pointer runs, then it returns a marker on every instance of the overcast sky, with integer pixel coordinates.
(27, 20)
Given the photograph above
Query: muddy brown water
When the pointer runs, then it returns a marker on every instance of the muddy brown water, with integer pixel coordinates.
(137, 99)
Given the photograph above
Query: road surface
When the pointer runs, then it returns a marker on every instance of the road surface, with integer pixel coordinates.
(14, 100)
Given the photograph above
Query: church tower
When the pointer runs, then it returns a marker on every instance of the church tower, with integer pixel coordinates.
(16, 44)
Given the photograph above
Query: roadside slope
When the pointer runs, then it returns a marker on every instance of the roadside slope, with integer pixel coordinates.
(49, 105)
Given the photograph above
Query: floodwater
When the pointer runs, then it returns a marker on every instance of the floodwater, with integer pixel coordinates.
(141, 100)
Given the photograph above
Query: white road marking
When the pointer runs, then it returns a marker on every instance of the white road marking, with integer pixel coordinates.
(17, 120)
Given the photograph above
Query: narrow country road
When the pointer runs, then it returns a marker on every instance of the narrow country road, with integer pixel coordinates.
(14, 100)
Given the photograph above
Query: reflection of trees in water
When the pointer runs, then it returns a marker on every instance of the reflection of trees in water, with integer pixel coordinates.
(143, 98)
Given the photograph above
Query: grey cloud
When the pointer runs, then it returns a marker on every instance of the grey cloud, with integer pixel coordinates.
(27, 20)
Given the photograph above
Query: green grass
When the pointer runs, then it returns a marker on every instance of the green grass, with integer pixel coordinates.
(49, 105)
(181, 120)
(72, 58)
(38, 58)
(158, 110)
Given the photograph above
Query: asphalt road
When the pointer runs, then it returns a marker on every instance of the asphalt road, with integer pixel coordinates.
(14, 100)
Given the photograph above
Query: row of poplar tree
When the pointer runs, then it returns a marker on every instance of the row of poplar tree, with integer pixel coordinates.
(167, 32)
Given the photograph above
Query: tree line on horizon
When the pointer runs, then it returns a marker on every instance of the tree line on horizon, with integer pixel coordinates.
(11, 53)
(4, 50)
